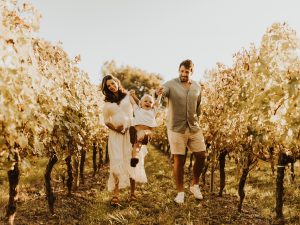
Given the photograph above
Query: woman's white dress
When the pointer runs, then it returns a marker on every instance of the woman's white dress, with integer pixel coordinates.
(119, 146)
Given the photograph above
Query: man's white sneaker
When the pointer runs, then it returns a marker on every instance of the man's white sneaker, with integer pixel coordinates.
(196, 191)
(179, 198)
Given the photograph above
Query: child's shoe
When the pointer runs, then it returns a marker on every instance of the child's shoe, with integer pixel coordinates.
(133, 162)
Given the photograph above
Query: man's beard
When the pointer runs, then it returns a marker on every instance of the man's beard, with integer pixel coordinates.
(184, 79)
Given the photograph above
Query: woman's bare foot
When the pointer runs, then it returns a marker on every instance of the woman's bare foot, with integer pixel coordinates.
(115, 201)
(133, 198)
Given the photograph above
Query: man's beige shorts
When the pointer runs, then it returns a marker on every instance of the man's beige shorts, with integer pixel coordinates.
(178, 141)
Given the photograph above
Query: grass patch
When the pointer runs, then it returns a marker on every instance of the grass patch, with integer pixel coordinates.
(261, 187)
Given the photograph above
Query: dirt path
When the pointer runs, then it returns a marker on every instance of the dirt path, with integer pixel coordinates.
(90, 205)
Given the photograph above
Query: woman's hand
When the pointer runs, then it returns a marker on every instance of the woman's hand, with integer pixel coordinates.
(160, 91)
(132, 92)
(112, 127)
(119, 129)
(133, 98)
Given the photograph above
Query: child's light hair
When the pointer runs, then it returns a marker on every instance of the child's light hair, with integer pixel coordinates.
(146, 96)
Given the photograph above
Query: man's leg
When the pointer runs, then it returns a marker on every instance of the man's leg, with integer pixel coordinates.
(198, 166)
(197, 145)
(197, 170)
(178, 171)
(178, 143)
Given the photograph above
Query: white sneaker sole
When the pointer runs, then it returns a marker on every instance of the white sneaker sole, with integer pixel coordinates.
(178, 202)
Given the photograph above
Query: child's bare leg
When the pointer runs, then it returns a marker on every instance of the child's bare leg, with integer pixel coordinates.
(135, 149)
(140, 135)
(143, 131)
(134, 153)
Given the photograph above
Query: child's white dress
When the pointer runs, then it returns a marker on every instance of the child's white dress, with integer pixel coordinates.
(144, 117)
(119, 146)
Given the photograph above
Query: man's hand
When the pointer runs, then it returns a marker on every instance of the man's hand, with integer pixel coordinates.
(160, 91)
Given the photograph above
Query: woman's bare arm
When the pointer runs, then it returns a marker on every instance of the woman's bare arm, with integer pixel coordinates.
(118, 129)
(157, 101)
(133, 98)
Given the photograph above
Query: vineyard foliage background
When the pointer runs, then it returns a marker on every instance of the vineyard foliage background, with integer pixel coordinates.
(47, 102)
(256, 100)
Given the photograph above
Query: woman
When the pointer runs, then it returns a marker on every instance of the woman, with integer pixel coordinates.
(118, 114)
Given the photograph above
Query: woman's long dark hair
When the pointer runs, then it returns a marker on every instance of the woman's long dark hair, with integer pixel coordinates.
(109, 96)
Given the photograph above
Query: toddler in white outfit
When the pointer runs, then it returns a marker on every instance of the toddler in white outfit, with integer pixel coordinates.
(143, 123)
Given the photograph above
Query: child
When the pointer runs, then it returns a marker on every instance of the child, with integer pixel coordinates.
(143, 123)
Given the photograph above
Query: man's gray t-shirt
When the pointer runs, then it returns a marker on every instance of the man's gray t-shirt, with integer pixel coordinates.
(183, 106)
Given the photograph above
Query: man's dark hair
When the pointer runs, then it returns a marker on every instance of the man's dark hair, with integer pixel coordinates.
(188, 64)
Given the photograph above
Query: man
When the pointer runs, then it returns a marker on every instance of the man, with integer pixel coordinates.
(184, 97)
